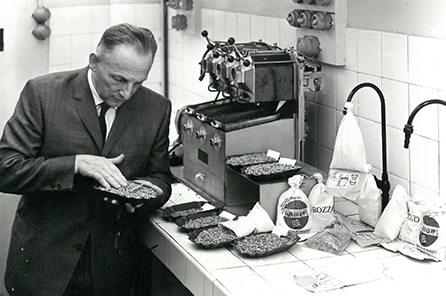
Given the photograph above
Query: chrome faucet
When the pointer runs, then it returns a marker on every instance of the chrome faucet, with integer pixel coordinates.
(408, 128)
(382, 184)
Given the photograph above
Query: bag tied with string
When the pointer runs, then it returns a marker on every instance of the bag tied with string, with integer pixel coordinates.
(293, 209)
(349, 175)
(348, 168)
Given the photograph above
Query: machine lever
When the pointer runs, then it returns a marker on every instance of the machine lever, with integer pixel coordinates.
(199, 176)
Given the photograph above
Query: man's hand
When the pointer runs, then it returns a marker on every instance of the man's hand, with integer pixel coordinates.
(102, 169)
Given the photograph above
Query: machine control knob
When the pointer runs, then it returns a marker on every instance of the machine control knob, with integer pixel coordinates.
(188, 127)
(201, 134)
(215, 142)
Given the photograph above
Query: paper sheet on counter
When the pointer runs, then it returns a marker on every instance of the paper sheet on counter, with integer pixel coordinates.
(351, 272)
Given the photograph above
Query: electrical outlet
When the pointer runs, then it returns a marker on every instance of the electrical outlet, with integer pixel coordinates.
(325, 20)
(189, 12)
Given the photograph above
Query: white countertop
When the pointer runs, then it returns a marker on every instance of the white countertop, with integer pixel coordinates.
(215, 272)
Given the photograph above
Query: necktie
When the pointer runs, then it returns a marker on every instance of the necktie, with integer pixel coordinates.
(102, 124)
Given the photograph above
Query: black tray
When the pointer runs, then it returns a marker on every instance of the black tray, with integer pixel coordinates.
(168, 212)
(134, 193)
(194, 234)
(239, 168)
(181, 221)
(274, 176)
(291, 240)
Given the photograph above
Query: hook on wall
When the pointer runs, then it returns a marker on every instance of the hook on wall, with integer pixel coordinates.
(41, 30)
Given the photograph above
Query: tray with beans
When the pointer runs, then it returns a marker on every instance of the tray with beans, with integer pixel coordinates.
(212, 237)
(200, 220)
(270, 171)
(238, 162)
(134, 193)
(181, 210)
(264, 244)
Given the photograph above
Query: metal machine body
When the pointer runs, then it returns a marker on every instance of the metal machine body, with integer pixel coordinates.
(262, 108)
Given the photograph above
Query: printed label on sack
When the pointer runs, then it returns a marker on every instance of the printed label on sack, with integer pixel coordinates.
(432, 237)
(343, 179)
(295, 213)
(429, 231)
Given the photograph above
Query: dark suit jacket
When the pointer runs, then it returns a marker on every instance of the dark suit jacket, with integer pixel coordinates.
(54, 120)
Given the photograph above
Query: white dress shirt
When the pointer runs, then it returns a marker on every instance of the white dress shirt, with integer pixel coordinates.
(111, 112)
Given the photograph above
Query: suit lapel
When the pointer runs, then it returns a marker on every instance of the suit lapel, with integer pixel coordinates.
(124, 117)
(86, 108)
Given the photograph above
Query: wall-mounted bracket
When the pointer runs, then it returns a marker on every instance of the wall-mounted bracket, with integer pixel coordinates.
(326, 21)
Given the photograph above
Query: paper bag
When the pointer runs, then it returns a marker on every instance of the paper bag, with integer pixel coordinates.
(349, 166)
(322, 205)
(395, 214)
(293, 209)
(369, 202)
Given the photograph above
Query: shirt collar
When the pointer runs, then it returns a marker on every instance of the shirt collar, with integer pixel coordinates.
(96, 97)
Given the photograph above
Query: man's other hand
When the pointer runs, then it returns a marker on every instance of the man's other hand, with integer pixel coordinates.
(102, 169)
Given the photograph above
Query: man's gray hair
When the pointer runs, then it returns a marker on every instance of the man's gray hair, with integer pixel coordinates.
(140, 38)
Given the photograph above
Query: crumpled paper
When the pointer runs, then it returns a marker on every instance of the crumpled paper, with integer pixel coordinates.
(256, 221)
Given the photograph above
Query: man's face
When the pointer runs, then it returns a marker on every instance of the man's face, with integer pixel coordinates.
(118, 74)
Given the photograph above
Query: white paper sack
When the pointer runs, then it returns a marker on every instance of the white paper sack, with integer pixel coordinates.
(322, 206)
(432, 238)
(293, 209)
(394, 215)
(349, 150)
(369, 202)
(410, 229)
(348, 167)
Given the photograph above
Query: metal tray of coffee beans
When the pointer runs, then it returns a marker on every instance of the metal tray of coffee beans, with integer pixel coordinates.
(134, 193)
(200, 220)
(174, 212)
(270, 171)
(264, 244)
(239, 162)
(212, 237)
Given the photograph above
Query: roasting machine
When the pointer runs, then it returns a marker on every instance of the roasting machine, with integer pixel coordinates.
(259, 106)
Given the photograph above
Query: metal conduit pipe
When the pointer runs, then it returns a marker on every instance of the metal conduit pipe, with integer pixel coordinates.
(165, 49)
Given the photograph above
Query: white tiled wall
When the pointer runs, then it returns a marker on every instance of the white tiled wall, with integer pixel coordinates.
(408, 70)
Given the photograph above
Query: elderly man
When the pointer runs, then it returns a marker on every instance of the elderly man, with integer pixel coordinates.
(71, 132)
